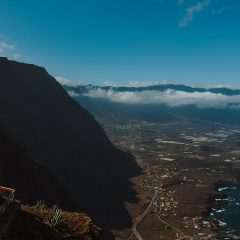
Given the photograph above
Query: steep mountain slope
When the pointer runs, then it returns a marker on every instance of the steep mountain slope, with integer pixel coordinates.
(30, 179)
(61, 135)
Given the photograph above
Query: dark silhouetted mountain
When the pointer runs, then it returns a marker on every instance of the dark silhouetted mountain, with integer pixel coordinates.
(58, 133)
(31, 180)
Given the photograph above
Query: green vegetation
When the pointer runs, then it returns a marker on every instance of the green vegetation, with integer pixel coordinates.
(56, 217)
(40, 205)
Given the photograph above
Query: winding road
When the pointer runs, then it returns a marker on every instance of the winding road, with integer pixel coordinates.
(139, 219)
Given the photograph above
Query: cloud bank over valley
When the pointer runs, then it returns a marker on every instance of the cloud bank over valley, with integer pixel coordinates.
(169, 97)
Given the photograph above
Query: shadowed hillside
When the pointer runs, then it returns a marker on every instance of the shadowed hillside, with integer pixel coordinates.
(30, 179)
(61, 135)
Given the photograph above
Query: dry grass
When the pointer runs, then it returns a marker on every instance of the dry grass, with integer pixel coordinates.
(34, 223)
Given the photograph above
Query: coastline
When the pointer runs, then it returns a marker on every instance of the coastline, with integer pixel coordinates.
(219, 203)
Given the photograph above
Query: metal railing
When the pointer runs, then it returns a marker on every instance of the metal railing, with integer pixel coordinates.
(7, 196)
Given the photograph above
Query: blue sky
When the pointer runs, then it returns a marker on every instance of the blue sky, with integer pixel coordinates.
(110, 41)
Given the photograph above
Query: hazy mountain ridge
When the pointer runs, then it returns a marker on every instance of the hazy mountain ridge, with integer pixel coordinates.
(161, 103)
(163, 87)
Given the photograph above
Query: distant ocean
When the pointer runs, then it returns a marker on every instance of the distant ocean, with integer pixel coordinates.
(228, 217)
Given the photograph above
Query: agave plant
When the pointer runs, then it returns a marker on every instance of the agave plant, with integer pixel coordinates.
(56, 216)
(40, 204)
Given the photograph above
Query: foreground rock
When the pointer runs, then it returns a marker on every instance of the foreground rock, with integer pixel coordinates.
(36, 223)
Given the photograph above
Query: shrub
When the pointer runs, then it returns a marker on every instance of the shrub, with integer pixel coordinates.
(56, 217)
(40, 204)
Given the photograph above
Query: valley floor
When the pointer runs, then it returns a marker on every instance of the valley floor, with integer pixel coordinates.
(184, 164)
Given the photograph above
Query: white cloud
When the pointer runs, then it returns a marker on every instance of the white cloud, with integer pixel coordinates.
(198, 7)
(16, 55)
(72, 93)
(145, 84)
(67, 82)
(110, 83)
(8, 50)
(6, 46)
(220, 10)
(169, 97)
(180, 2)
(133, 83)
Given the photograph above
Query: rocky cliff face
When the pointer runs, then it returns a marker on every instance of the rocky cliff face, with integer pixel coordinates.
(30, 179)
(59, 134)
